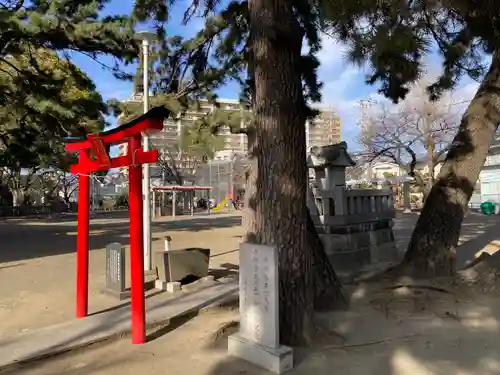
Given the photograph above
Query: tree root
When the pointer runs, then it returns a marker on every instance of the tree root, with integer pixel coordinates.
(420, 286)
(392, 272)
(485, 273)
(368, 343)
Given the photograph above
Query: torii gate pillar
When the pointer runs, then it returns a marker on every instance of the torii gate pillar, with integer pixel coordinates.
(94, 156)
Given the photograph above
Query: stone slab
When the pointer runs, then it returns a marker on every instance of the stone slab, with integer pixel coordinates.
(259, 302)
(176, 265)
(99, 327)
(278, 360)
(115, 269)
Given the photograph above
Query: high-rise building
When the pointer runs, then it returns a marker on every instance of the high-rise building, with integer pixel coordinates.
(324, 129)
(168, 139)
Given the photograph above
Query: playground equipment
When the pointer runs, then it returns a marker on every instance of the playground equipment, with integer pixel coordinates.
(93, 156)
(228, 200)
(222, 204)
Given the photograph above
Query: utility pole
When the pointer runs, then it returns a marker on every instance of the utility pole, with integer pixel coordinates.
(365, 125)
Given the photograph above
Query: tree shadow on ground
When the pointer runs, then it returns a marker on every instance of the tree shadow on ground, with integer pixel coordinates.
(154, 332)
(225, 270)
(405, 339)
(477, 231)
(365, 341)
(28, 239)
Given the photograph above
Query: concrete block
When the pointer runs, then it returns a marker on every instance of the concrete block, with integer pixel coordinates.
(160, 285)
(277, 360)
(173, 286)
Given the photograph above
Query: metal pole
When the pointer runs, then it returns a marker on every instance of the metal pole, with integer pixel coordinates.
(231, 190)
(146, 207)
(91, 192)
(218, 183)
(209, 184)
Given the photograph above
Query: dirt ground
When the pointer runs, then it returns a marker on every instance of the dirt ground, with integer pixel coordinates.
(38, 265)
(387, 330)
(391, 332)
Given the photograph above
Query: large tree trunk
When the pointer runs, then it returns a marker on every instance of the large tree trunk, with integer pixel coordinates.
(249, 213)
(431, 251)
(328, 292)
(327, 288)
(281, 176)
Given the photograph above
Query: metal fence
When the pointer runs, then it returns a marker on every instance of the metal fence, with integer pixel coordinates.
(225, 177)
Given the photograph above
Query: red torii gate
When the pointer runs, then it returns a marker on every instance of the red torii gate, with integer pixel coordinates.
(94, 156)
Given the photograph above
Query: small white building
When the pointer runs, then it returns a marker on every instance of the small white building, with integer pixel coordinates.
(384, 169)
(488, 184)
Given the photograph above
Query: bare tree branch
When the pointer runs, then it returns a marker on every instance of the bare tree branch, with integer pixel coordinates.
(417, 131)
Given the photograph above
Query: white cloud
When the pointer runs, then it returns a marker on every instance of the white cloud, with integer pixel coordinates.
(344, 86)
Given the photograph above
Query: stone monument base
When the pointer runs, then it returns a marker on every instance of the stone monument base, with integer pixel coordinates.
(277, 360)
(118, 295)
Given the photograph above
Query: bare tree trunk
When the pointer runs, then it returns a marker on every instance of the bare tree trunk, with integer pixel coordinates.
(280, 190)
(431, 251)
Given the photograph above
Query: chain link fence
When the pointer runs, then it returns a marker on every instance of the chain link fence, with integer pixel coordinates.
(226, 177)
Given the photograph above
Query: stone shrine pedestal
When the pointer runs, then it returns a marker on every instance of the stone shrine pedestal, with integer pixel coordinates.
(258, 339)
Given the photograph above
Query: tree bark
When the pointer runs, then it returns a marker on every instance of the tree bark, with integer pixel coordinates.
(327, 287)
(328, 293)
(248, 216)
(431, 251)
(281, 173)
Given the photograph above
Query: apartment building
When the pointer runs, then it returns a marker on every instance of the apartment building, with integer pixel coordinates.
(168, 139)
(324, 129)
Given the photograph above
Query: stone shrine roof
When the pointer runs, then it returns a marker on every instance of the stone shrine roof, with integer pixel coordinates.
(335, 155)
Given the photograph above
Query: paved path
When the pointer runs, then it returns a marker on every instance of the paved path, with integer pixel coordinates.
(77, 333)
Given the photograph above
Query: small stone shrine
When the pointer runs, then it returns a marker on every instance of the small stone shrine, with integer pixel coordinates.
(258, 339)
(355, 225)
(115, 271)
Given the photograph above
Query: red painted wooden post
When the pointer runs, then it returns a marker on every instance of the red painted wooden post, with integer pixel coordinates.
(99, 145)
(136, 246)
(82, 248)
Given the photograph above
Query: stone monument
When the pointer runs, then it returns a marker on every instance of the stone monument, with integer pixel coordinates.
(115, 271)
(258, 339)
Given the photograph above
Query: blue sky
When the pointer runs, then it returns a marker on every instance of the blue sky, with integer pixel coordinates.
(343, 87)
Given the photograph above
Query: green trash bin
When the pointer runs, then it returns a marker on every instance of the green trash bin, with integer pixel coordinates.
(488, 208)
